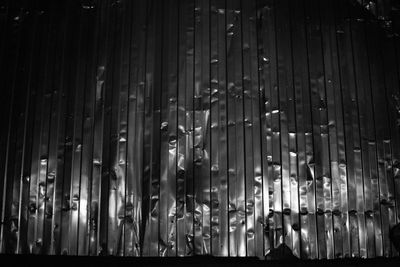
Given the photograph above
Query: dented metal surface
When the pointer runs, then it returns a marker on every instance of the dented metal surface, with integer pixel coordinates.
(188, 127)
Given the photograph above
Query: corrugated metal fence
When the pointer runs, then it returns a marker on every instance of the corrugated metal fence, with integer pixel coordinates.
(187, 127)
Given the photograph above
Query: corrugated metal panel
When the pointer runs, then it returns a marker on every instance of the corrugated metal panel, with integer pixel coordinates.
(188, 127)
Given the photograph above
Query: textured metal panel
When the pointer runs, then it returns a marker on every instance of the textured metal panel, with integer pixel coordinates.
(265, 128)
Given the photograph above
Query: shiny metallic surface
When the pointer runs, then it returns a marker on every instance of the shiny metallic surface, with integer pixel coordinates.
(163, 128)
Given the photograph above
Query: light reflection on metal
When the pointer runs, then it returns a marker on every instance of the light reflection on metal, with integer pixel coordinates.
(184, 127)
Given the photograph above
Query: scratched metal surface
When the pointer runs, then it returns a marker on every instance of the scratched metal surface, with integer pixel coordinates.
(188, 127)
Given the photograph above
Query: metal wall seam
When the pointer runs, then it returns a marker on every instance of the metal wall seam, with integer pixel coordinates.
(333, 119)
(172, 97)
(136, 132)
(358, 152)
(5, 109)
(248, 132)
(88, 131)
(69, 134)
(17, 145)
(351, 131)
(206, 126)
(303, 120)
(349, 102)
(384, 161)
(320, 133)
(114, 176)
(189, 107)
(129, 146)
(376, 86)
(56, 116)
(314, 160)
(364, 207)
(46, 162)
(147, 127)
(327, 175)
(197, 128)
(223, 134)
(396, 167)
(98, 123)
(231, 134)
(268, 77)
(237, 50)
(293, 154)
(16, 131)
(121, 198)
(106, 157)
(371, 189)
(182, 132)
(55, 176)
(264, 205)
(215, 128)
(158, 127)
(141, 99)
(235, 130)
(256, 185)
(342, 147)
(38, 184)
(287, 123)
(387, 155)
(80, 95)
(250, 95)
(152, 128)
(10, 135)
(165, 129)
(201, 143)
(276, 161)
(391, 86)
(27, 150)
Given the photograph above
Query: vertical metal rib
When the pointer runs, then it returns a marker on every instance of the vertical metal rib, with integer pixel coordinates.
(11, 211)
(303, 122)
(392, 158)
(106, 153)
(5, 109)
(335, 125)
(128, 146)
(40, 158)
(268, 79)
(28, 144)
(98, 121)
(377, 84)
(287, 123)
(54, 184)
(182, 131)
(313, 148)
(350, 124)
(10, 136)
(364, 202)
(68, 137)
(189, 120)
(85, 239)
(115, 179)
(125, 100)
(223, 215)
(215, 98)
(248, 132)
